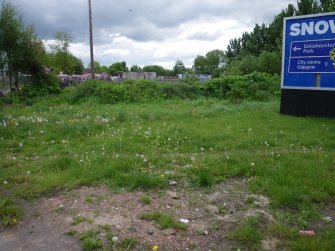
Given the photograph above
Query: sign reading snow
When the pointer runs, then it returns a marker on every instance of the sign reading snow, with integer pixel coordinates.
(309, 52)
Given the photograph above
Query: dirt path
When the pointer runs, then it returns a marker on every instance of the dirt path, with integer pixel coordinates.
(58, 222)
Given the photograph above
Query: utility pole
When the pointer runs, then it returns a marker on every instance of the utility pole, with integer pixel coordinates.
(91, 38)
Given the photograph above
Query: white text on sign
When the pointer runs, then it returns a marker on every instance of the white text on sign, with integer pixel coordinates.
(311, 28)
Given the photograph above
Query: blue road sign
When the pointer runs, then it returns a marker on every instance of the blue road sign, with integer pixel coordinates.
(309, 52)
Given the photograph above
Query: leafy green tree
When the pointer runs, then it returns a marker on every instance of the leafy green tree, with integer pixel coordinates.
(76, 65)
(117, 67)
(179, 67)
(61, 50)
(211, 64)
(215, 62)
(327, 5)
(306, 7)
(160, 71)
(54, 62)
(135, 68)
(97, 67)
(234, 49)
(199, 65)
(20, 49)
(103, 69)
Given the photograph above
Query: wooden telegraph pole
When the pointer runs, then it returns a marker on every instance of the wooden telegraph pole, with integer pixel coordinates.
(91, 38)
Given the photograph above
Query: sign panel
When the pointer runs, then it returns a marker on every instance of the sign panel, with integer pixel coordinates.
(309, 52)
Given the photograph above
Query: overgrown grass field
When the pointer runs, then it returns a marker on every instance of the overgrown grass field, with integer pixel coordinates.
(55, 144)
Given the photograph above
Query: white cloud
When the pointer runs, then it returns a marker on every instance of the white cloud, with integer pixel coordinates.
(117, 52)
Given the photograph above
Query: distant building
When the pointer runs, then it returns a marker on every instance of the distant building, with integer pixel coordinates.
(138, 75)
(201, 77)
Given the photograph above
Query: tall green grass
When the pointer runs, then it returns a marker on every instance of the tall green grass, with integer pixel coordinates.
(200, 142)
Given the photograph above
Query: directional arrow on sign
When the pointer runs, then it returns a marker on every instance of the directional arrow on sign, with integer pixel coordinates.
(296, 48)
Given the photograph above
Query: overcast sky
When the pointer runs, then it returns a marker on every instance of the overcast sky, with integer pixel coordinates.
(146, 32)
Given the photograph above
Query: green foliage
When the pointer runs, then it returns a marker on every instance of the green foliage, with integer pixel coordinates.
(43, 85)
(205, 178)
(128, 244)
(55, 62)
(77, 220)
(129, 147)
(146, 199)
(266, 62)
(62, 57)
(211, 64)
(83, 91)
(132, 91)
(255, 86)
(160, 71)
(91, 240)
(248, 234)
(179, 67)
(20, 49)
(135, 68)
(117, 67)
(9, 212)
(163, 220)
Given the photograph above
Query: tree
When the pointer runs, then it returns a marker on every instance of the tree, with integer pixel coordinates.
(199, 65)
(234, 49)
(54, 62)
(20, 49)
(117, 67)
(306, 7)
(135, 68)
(327, 5)
(61, 49)
(76, 66)
(215, 62)
(97, 67)
(211, 64)
(160, 71)
(179, 67)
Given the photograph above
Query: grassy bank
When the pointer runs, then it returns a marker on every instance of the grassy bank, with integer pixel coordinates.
(54, 144)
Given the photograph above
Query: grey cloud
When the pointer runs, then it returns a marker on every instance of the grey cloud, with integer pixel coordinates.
(140, 20)
(204, 36)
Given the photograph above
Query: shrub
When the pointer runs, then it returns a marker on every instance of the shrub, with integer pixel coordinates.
(131, 91)
(83, 91)
(255, 86)
(41, 86)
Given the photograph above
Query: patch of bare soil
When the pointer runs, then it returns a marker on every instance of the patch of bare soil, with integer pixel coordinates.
(56, 223)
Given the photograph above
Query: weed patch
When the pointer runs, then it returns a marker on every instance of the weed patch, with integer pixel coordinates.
(163, 220)
(9, 212)
(248, 234)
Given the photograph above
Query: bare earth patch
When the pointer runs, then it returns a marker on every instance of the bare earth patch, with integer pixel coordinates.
(57, 223)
